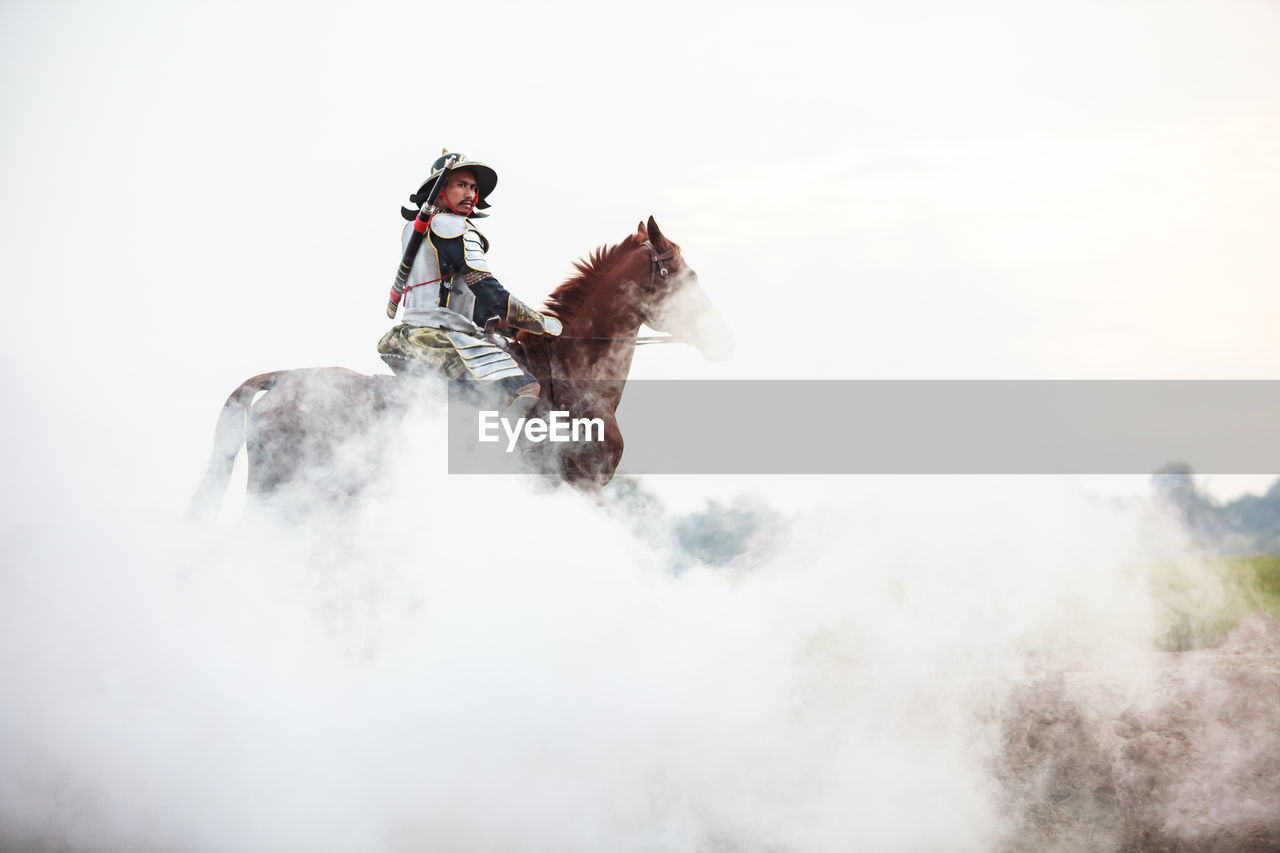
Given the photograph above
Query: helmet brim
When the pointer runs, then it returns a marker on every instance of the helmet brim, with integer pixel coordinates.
(486, 179)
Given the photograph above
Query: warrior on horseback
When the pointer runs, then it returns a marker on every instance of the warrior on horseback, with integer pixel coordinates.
(302, 429)
(448, 293)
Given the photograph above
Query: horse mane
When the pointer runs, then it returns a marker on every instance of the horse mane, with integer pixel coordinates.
(569, 296)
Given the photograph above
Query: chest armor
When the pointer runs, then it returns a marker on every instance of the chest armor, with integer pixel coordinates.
(426, 275)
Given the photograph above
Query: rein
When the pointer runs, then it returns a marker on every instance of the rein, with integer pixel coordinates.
(657, 269)
(639, 339)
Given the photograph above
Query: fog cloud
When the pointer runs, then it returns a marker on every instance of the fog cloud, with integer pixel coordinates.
(478, 664)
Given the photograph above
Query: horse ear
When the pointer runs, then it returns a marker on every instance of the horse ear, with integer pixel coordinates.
(655, 234)
(641, 234)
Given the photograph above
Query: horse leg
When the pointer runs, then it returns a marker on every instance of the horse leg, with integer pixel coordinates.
(228, 436)
(591, 467)
(263, 477)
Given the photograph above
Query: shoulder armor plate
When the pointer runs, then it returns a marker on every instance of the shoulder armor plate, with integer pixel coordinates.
(473, 246)
(484, 241)
(448, 225)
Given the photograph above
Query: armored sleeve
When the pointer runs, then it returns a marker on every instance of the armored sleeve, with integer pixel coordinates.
(491, 296)
(491, 300)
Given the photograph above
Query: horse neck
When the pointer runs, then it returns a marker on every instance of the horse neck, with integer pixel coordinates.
(599, 339)
(610, 301)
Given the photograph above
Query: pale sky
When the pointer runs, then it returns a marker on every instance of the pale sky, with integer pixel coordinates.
(195, 193)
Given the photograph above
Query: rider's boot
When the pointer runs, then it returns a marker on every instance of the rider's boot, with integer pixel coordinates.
(520, 408)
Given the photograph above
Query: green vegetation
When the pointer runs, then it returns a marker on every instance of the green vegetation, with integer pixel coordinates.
(1204, 602)
(1266, 570)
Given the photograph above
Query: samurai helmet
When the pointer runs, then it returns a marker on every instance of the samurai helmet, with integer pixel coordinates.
(447, 162)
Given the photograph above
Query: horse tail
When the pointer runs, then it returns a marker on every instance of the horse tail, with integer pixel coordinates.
(228, 438)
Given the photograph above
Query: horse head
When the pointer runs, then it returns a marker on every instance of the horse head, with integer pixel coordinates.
(672, 301)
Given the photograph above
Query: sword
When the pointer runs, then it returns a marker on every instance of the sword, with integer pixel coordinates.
(420, 224)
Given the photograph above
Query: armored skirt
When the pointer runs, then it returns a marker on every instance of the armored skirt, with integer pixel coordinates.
(422, 350)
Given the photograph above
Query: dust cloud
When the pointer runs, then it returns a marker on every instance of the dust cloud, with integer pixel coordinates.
(489, 664)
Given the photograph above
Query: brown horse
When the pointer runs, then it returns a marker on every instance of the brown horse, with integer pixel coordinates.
(297, 435)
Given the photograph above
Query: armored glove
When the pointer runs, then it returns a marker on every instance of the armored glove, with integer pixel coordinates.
(521, 316)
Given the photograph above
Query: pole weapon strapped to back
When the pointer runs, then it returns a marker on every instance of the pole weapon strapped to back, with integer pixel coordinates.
(424, 201)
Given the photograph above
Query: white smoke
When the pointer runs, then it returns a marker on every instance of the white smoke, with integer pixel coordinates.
(479, 664)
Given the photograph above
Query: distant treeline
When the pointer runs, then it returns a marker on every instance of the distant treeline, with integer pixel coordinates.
(1248, 525)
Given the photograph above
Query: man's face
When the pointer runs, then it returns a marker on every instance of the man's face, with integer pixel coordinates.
(459, 193)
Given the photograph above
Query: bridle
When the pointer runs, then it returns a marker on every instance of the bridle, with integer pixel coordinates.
(657, 270)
